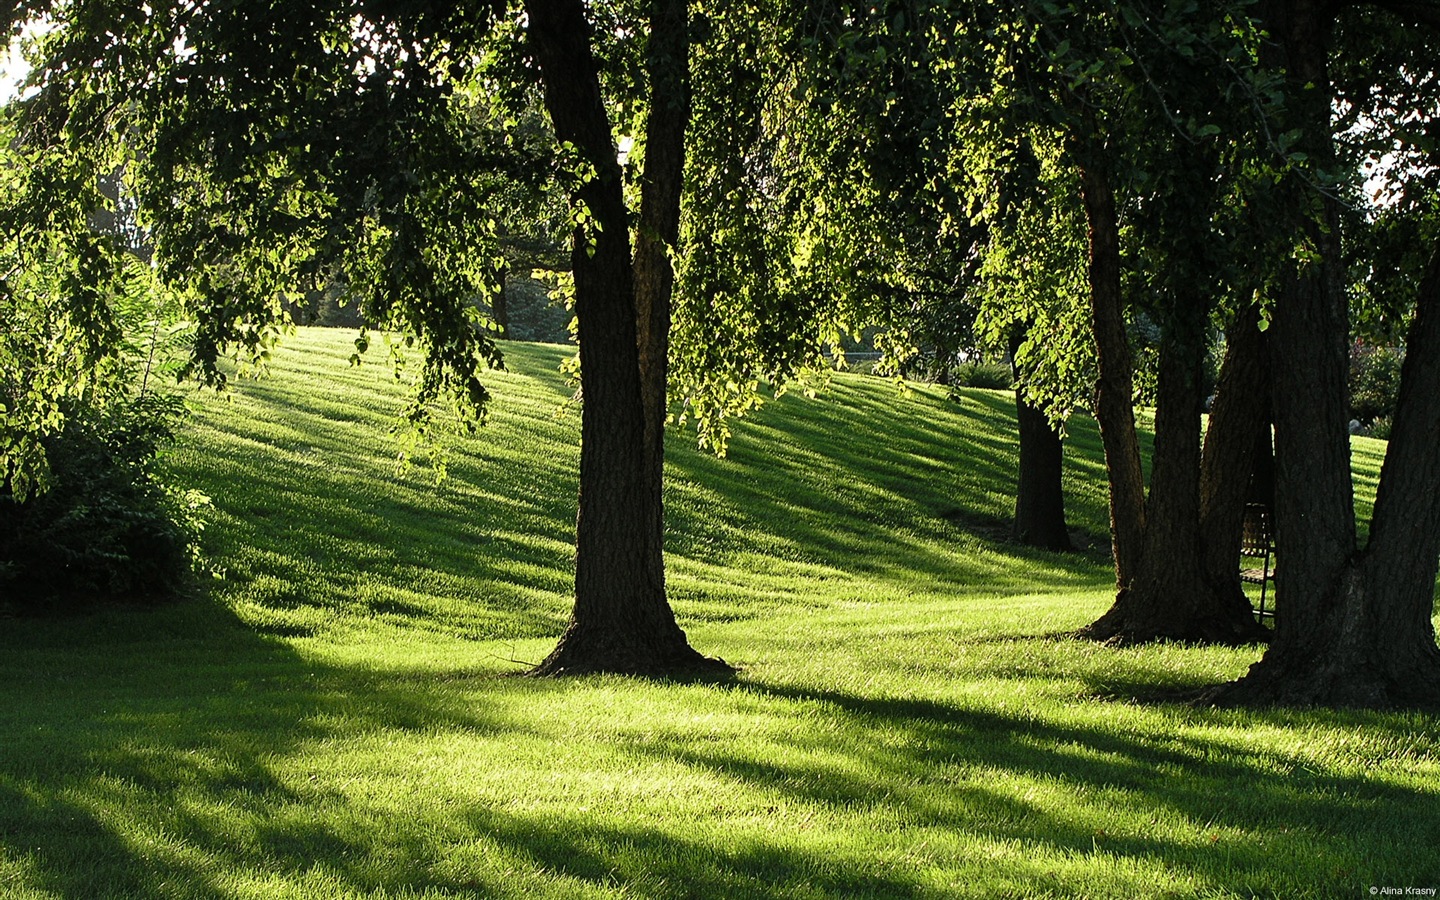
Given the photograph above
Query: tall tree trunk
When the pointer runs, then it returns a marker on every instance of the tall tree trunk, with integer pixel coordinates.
(1039, 490)
(1352, 628)
(667, 67)
(621, 620)
(1239, 432)
(1314, 503)
(1114, 400)
(1396, 647)
(1169, 597)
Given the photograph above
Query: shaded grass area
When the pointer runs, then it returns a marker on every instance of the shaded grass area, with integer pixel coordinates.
(340, 718)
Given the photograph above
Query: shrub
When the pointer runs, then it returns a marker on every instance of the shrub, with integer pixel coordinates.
(1380, 428)
(992, 376)
(1374, 380)
(105, 526)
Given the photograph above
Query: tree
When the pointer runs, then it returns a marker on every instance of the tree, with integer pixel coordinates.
(1170, 590)
(833, 208)
(621, 621)
(1039, 495)
(1032, 290)
(1115, 112)
(279, 146)
(1353, 626)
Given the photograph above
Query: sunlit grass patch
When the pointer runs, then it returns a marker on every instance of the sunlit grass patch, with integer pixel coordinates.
(341, 717)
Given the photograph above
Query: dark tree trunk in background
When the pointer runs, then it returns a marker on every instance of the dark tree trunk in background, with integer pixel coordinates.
(1114, 404)
(1039, 490)
(500, 305)
(621, 621)
(1351, 628)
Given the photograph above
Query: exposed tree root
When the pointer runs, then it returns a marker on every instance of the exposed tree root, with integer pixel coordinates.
(1205, 619)
(579, 653)
(1318, 682)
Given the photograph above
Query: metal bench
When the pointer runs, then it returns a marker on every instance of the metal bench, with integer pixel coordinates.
(1257, 541)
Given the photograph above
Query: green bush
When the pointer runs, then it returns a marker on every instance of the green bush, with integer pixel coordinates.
(105, 526)
(1380, 428)
(992, 376)
(1374, 381)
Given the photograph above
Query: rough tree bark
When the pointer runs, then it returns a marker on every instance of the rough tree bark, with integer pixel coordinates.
(1114, 394)
(621, 620)
(1163, 592)
(1353, 628)
(661, 186)
(1239, 432)
(1361, 634)
(1170, 597)
(1039, 491)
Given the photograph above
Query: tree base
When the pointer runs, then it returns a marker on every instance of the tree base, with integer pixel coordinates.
(1207, 619)
(1319, 681)
(1055, 540)
(585, 653)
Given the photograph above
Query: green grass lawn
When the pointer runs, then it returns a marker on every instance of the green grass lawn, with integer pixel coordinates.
(340, 716)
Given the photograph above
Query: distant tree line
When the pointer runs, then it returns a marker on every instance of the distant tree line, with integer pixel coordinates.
(529, 311)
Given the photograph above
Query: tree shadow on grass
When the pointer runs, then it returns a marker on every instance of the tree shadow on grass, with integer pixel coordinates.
(154, 756)
(565, 856)
(139, 749)
(157, 756)
(936, 763)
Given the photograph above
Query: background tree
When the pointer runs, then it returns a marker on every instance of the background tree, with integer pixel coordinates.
(1039, 493)
(843, 214)
(1122, 104)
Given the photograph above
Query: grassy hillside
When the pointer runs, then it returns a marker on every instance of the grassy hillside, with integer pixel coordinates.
(339, 716)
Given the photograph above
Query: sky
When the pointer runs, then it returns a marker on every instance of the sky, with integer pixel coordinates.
(12, 69)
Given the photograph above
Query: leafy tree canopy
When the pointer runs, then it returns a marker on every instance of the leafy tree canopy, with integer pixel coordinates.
(271, 149)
